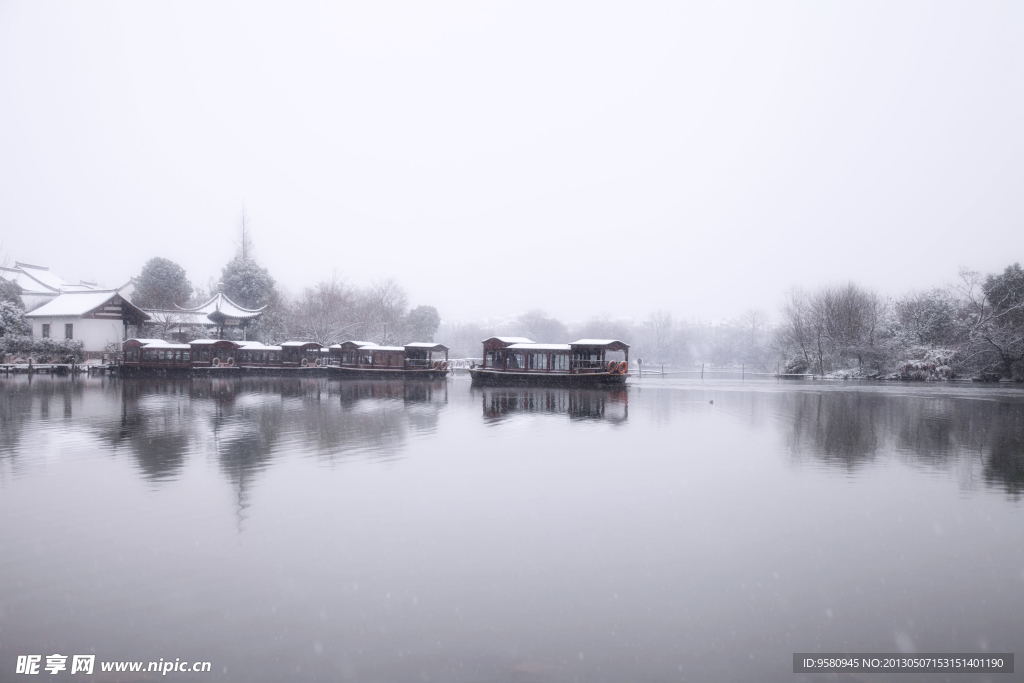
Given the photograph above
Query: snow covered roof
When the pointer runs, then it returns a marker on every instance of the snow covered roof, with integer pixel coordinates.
(161, 344)
(178, 317)
(511, 340)
(25, 278)
(425, 345)
(39, 280)
(41, 274)
(596, 342)
(374, 347)
(540, 347)
(143, 341)
(256, 346)
(72, 304)
(222, 307)
(204, 342)
(352, 341)
(298, 343)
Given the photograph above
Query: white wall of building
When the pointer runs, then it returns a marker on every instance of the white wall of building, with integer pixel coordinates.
(94, 333)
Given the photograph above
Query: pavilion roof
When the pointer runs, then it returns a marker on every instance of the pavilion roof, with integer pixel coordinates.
(222, 307)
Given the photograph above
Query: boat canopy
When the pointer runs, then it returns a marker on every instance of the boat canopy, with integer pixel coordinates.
(352, 342)
(143, 342)
(257, 346)
(540, 347)
(429, 346)
(161, 344)
(613, 344)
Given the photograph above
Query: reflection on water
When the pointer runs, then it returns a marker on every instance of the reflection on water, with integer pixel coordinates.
(850, 429)
(611, 404)
(317, 529)
(245, 423)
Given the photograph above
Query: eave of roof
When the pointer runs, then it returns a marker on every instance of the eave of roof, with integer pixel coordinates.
(224, 306)
(597, 342)
(540, 347)
(510, 340)
(77, 304)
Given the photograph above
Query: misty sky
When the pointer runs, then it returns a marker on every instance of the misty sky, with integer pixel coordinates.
(582, 158)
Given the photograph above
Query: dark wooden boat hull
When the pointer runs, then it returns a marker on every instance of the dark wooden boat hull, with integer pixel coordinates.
(503, 377)
(385, 373)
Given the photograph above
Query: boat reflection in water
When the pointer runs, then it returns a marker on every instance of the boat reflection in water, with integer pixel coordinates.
(610, 404)
(251, 422)
(434, 391)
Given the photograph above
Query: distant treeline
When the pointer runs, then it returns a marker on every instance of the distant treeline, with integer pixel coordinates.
(974, 328)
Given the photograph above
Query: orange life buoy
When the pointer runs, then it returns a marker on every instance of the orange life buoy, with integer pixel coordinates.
(231, 361)
(317, 363)
(623, 366)
(444, 365)
(216, 362)
(436, 365)
(611, 367)
(305, 362)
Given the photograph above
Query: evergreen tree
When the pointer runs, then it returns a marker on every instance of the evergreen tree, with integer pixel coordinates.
(421, 323)
(247, 283)
(11, 292)
(162, 284)
(12, 319)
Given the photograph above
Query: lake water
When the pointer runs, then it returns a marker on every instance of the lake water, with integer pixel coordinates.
(304, 529)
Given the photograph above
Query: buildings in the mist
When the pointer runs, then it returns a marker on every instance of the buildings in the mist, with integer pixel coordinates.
(102, 318)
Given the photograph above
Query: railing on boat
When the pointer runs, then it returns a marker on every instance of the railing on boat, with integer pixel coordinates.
(579, 364)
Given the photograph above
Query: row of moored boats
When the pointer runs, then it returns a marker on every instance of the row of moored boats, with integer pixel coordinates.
(505, 359)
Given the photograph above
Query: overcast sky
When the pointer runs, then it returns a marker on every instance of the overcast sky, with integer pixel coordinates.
(582, 158)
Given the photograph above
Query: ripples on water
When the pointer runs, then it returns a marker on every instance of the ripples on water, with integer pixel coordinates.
(293, 529)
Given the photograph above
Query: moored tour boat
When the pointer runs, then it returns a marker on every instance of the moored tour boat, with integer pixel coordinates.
(582, 362)
(365, 359)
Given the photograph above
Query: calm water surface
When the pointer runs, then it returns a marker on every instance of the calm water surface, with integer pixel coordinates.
(377, 531)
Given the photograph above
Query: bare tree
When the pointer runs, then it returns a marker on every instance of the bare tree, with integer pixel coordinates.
(325, 312)
(382, 312)
(660, 327)
(753, 321)
(165, 324)
(926, 318)
(536, 325)
(837, 324)
(993, 320)
(798, 332)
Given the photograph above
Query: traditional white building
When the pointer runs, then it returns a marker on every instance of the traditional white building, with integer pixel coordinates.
(96, 317)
